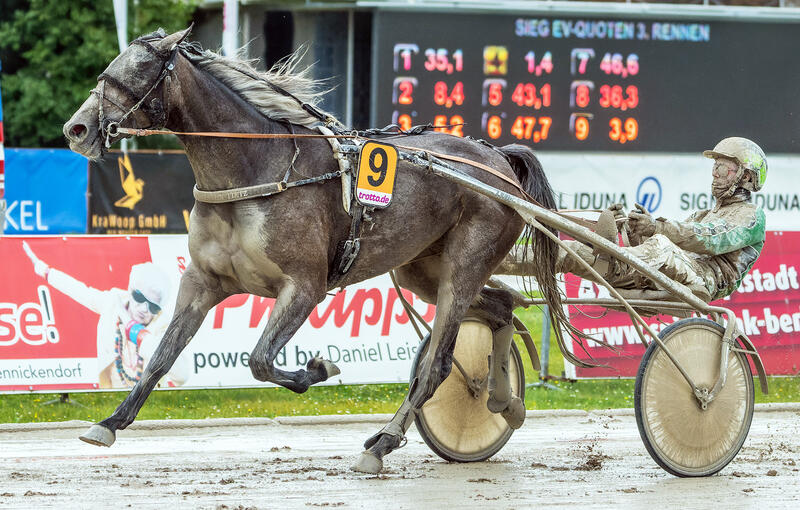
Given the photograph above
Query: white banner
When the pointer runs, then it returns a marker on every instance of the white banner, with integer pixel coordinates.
(33, 372)
(669, 186)
(363, 329)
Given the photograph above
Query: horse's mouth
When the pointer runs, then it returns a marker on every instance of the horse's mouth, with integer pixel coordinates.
(92, 148)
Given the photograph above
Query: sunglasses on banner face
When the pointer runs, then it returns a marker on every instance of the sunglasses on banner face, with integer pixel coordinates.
(139, 298)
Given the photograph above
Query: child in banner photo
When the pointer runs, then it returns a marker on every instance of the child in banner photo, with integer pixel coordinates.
(131, 321)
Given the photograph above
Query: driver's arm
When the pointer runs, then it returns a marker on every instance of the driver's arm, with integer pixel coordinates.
(714, 237)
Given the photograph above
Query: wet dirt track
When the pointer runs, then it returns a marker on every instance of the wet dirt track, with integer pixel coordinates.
(593, 460)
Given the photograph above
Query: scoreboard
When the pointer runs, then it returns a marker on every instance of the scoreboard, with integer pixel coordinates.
(589, 83)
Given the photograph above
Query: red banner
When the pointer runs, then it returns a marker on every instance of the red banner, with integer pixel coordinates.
(46, 337)
(767, 307)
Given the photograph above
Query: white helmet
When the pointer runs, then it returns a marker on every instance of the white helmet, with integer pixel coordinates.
(745, 152)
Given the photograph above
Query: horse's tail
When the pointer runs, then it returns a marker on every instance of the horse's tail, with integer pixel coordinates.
(544, 250)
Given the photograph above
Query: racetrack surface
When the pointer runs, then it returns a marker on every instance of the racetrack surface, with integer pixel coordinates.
(557, 459)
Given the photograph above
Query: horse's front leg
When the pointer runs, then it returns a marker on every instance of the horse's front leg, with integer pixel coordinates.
(197, 294)
(292, 306)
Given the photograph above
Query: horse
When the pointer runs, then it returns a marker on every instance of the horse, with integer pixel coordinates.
(442, 239)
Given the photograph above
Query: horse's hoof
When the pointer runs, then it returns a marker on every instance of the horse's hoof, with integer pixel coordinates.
(98, 435)
(328, 368)
(514, 414)
(368, 463)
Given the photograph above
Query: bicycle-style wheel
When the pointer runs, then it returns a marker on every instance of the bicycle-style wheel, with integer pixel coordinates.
(456, 424)
(679, 435)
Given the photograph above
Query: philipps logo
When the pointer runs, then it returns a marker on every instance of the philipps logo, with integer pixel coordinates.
(649, 193)
(31, 323)
(133, 187)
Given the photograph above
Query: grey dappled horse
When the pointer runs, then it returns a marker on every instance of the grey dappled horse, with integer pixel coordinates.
(444, 240)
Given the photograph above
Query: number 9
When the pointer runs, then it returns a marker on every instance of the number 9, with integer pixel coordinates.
(581, 128)
(379, 169)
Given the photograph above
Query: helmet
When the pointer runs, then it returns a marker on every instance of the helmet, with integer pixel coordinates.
(746, 153)
(150, 280)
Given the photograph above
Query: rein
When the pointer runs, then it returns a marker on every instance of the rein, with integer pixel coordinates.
(256, 189)
(263, 190)
(222, 134)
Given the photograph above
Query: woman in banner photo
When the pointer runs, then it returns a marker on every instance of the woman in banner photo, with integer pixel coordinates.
(130, 325)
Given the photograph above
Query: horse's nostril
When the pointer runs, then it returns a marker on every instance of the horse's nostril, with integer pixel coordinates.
(77, 130)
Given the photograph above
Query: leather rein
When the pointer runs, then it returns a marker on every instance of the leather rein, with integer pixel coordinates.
(261, 136)
(262, 190)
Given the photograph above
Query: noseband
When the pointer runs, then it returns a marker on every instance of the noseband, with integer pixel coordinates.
(156, 112)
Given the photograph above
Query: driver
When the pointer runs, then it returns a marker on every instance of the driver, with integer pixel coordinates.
(710, 252)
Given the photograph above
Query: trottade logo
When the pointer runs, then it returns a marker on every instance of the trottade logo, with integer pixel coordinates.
(649, 193)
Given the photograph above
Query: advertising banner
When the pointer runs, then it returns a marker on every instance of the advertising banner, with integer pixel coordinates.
(767, 307)
(87, 312)
(672, 186)
(45, 191)
(140, 193)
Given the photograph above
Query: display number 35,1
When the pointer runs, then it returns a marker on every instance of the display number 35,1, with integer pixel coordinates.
(377, 167)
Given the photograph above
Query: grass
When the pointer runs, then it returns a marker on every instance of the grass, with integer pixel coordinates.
(374, 398)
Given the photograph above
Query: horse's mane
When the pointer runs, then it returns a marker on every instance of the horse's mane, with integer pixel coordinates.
(258, 88)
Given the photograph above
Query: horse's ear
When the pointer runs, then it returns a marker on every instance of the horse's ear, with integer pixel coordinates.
(172, 40)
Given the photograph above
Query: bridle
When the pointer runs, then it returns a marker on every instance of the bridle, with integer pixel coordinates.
(156, 111)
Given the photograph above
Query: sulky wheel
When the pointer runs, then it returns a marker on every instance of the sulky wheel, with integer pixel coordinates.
(455, 422)
(681, 437)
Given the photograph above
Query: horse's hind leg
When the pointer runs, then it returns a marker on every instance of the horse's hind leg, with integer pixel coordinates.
(197, 294)
(292, 307)
(495, 307)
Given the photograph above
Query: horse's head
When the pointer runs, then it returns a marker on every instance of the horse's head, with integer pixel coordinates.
(129, 93)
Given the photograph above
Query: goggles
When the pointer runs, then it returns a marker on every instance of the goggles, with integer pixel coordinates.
(139, 298)
(722, 168)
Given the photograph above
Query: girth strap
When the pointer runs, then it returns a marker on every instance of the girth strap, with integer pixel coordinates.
(257, 191)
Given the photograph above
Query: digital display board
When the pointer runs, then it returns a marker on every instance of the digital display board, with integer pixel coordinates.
(588, 83)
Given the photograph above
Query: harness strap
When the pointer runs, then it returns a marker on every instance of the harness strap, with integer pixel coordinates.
(220, 134)
(428, 153)
(259, 190)
(344, 166)
(351, 247)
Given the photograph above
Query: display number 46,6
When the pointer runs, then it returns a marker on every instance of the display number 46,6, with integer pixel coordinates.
(377, 167)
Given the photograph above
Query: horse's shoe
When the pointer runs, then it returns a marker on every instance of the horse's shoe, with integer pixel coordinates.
(514, 414)
(98, 435)
(367, 463)
(327, 367)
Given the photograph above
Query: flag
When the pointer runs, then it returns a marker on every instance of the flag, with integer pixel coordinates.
(2, 160)
(2, 166)
(230, 27)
